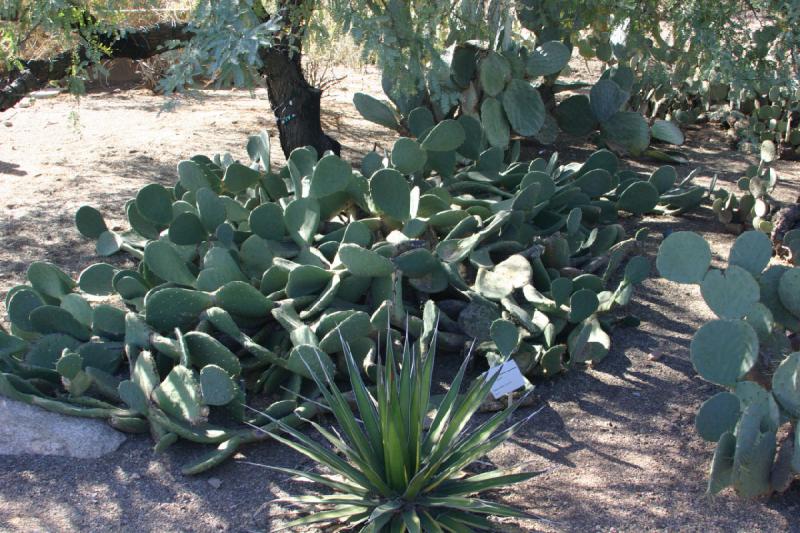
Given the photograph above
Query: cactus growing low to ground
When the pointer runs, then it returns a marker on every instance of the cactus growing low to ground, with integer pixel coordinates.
(244, 268)
(749, 350)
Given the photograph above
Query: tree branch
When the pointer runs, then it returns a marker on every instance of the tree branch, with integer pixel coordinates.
(134, 44)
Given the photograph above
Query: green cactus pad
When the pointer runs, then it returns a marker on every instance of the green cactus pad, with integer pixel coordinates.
(638, 198)
(206, 350)
(722, 351)
(751, 251)
(309, 361)
(524, 107)
(239, 178)
(165, 262)
(171, 308)
(331, 174)
(663, 179)
(588, 343)
(69, 365)
(730, 294)
(51, 319)
(130, 393)
(637, 270)
(104, 356)
(78, 307)
(266, 221)
(574, 115)
(97, 279)
(516, 269)
(141, 225)
(216, 385)
(362, 262)
(582, 304)
(242, 299)
(179, 396)
(684, 257)
(420, 121)
(721, 475)
(210, 208)
(154, 202)
(375, 111)
(494, 72)
(307, 279)
(258, 148)
(302, 219)
(108, 243)
(408, 156)
(769, 282)
(47, 350)
(786, 384)
(20, 306)
(494, 123)
(49, 280)
(549, 58)
(606, 98)
(626, 131)
(755, 451)
(789, 290)
(560, 290)
(90, 222)
(108, 322)
(192, 176)
(718, 415)
(505, 336)
(391, 193)
(446, 136)
(187, 229)
(596, 182)
(666, 131)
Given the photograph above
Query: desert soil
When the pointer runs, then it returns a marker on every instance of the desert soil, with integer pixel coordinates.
(617, 441)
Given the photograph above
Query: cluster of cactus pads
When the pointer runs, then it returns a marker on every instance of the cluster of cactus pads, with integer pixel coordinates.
(246, 271)
(756, 204)
(496, 87)
(751, 351)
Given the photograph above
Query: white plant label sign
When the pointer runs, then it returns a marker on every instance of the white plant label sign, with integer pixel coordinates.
(509, 380)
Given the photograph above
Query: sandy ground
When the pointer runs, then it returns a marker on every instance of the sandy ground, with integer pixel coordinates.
(617, 441)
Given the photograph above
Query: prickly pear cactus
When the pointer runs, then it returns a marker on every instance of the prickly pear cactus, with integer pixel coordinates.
(751, 351)
(511, 92)
(755, 207)
(244, 271)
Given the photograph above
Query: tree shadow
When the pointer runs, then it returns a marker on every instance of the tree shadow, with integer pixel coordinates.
(11, 169)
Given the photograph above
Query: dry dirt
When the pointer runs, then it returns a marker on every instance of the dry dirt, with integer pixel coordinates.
(618, 441)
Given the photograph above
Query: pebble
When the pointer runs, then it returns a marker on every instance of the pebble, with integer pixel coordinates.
(7, 124)
(215, 482)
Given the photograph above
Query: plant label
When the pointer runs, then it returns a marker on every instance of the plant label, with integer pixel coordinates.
(509, 380)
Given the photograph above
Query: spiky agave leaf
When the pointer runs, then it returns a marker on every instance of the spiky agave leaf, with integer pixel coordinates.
(400, 476)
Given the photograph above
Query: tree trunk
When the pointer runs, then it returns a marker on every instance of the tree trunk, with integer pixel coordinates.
(295, 103)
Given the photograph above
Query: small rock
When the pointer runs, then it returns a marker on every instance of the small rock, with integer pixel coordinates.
(26, 103)
(7, 124)
(655, 355)
(135, 477)
(25, 429)
(215, 482)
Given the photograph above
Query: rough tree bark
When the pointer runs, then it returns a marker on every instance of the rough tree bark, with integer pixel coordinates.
(295, 103)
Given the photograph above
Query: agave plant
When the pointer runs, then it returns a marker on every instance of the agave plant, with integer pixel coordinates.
(394, 472)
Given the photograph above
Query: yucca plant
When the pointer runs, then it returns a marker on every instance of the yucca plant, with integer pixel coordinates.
(391, 470)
